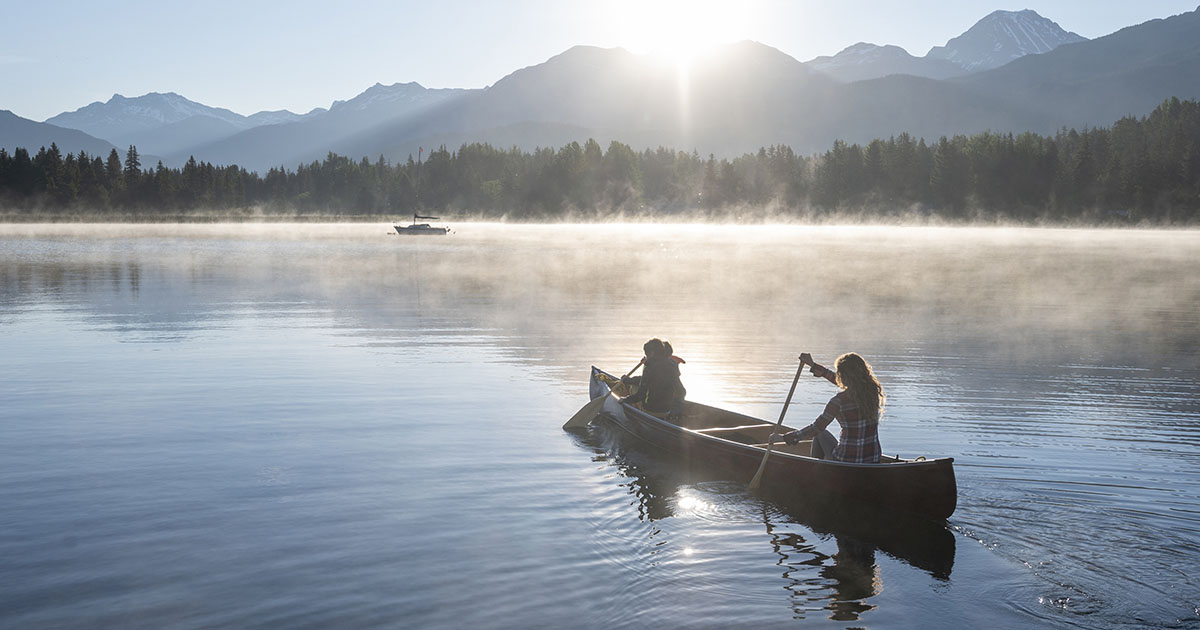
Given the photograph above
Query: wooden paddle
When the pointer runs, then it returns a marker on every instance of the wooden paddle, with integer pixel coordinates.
(588, 412)
(754, 483)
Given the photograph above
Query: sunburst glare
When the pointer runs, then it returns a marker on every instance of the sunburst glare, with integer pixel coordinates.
(678, 29)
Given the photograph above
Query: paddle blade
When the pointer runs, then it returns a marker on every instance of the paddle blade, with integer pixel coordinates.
(587, 413)
(757, 480)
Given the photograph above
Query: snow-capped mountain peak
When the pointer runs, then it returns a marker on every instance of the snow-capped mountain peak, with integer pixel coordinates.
(379, 94)
(122, 115)
(1001, 37)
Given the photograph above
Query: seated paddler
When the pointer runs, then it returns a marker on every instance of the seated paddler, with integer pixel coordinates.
(658, 390)
(856, 408)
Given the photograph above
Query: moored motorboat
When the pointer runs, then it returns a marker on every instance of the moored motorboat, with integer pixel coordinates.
(422, 228)
(716, 438)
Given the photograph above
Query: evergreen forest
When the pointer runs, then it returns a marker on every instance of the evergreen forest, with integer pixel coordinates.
(1139, 170)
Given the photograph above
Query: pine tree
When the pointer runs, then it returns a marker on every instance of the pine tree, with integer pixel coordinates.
(132, 177)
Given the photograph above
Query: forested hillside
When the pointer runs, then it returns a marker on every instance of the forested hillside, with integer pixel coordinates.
(1145, 169)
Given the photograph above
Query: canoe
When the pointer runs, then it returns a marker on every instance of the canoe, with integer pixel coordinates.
(735, 443)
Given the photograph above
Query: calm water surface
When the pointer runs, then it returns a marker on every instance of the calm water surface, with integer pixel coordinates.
(328, 426)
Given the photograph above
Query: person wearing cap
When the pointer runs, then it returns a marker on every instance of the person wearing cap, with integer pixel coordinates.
(659, 389)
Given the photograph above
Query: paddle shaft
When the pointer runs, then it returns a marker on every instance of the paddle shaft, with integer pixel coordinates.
(771, 443)
(640, 364)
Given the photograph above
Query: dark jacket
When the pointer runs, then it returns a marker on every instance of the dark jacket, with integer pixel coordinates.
(658, 388)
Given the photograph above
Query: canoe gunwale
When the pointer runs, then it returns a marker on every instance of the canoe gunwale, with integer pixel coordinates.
(902, 463)
(922, 487)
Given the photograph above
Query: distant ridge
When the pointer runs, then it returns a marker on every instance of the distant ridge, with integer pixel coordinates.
(164, 123)
(315, 135)
(864, 61)
(31, 135)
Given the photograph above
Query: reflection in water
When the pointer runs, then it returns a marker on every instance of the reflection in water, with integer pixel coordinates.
(856, 576)
(842, 582)
(851, 570)
(1017, 294)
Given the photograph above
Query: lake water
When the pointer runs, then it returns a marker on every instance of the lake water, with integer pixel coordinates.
(299, 426)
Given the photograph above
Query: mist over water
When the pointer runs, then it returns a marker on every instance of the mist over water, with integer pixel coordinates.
(328, 425)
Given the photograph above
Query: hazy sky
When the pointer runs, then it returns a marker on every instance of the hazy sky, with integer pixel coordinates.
(249, 56)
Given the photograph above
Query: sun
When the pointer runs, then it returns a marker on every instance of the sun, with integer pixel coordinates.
(677, 29)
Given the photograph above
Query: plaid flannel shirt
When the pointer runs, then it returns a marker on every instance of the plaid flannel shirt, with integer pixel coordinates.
(859, 442)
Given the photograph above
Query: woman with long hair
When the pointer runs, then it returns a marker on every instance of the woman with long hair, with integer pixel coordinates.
(856, 408)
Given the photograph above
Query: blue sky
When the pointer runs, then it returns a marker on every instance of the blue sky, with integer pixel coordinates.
(250, 56)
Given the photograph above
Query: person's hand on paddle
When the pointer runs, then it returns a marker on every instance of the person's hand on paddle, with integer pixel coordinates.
(789, 438)
(806, 359)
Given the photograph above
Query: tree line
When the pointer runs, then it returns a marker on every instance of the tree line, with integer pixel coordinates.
(1139, 169)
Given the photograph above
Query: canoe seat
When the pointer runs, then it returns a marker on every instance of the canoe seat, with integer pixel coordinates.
(800, 448)
(744, 434)
(754, 435)
(754, 428)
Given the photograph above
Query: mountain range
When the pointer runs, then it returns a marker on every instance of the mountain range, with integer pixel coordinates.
(997, 39)
(1011, 71)
(162, 124)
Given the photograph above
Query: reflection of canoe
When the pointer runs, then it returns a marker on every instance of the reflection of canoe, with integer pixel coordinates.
(715, 438)
(923, 543)
(654, 479)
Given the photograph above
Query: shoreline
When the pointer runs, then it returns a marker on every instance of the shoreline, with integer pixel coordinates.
(661, 232)
(731, 219)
